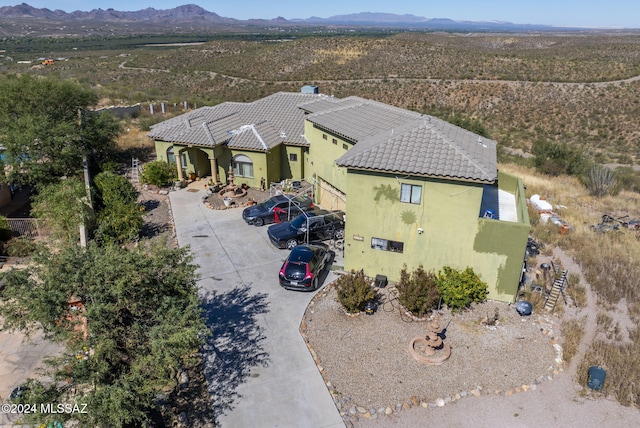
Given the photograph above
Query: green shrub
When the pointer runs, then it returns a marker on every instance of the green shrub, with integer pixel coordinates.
(115, 189)
(460, 289)
(418, 290)
(119, 223)
(21, 247)
(555, 158)
(5, 230)
(158, 173)
(354, 290)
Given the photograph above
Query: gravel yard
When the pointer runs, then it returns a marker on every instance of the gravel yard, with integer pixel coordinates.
(366, 362)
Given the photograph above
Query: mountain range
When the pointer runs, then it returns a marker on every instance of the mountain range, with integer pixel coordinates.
(195, 15)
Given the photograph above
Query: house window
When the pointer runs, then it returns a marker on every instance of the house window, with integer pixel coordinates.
(171, 157)
(410, 193)
(324, 137)
(242, 166)
(344, 146)
(334, 141)
(387, 245)
(293, 157)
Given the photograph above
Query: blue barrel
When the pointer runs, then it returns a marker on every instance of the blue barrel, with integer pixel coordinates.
(596, 377)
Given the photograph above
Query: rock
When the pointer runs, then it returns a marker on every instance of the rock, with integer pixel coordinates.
(353, 410)
(381, 410)
(440, 402)
(525, 388)
(464, 394)
(476, 392)
(406, 406)
(508, 393)
(415, 401)
(183, 379)
(361, 409)
(388, 411)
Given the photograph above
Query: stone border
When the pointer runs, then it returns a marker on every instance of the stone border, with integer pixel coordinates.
(352, 412)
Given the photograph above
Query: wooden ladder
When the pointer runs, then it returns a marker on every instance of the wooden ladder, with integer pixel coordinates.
(556, 289)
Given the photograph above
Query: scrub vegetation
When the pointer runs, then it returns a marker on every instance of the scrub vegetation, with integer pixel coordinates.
(559, 106)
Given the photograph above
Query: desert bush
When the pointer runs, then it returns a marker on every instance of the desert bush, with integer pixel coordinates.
(354, 290)
(158, 173)
(555, 158)
(600, 181)
(572, 331)
(418, 290)
(21, 247)
(119, 223)
(460, 288)
(115, 189)
(628, 179)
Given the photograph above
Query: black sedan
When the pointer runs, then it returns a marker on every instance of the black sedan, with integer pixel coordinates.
(303, 268)
(310, 226)
(276, 209)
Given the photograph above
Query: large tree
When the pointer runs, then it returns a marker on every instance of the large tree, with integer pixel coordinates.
(143, 316)
(47, 126)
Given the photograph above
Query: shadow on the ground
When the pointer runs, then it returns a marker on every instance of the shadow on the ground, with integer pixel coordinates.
(235, 345)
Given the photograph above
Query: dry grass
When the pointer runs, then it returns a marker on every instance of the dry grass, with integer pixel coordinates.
(610, 263)
(502, 81)
(576, 291)
(572, 332)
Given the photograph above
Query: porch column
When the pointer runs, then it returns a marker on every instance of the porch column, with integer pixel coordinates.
(215, 177)
(179, 165)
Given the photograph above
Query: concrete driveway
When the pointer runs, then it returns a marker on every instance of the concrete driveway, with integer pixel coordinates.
(258, 368)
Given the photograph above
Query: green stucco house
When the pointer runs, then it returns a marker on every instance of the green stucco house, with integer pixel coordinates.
(416, 190)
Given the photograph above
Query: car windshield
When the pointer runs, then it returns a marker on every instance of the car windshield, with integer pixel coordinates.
(299, 222)
(269, 203)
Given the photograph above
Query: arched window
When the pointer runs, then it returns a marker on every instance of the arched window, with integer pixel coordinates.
(242, 166)
(171, 157)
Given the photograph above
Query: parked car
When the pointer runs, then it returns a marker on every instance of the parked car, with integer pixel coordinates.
(277, 209)
(303, 268)
(310, 226)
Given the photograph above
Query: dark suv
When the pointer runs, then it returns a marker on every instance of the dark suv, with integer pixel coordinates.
(276, 209)
(310, 226)
(303, 268)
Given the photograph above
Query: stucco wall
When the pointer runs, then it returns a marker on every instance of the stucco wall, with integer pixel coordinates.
(454, 235)
(322, 156)
(292, 169)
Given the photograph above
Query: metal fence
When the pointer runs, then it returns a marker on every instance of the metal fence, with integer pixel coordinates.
(25, 227)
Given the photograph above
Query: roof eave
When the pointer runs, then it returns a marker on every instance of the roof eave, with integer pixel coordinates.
(439, 177)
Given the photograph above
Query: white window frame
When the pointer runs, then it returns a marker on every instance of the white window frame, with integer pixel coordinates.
(411, 193)
(242, 166)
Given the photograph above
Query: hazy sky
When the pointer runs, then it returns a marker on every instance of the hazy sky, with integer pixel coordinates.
(582, 13)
